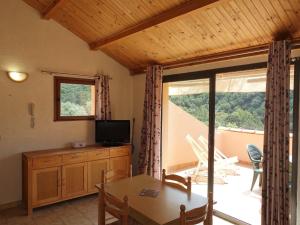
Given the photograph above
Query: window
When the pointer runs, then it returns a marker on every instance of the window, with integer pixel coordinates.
(74, 99)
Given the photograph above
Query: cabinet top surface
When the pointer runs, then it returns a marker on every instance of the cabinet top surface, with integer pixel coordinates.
(62, 151)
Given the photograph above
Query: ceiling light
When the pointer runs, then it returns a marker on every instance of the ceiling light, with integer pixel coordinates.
(17, 76)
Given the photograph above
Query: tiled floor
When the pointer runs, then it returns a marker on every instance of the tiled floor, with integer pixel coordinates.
(235, 198)
(82, 211)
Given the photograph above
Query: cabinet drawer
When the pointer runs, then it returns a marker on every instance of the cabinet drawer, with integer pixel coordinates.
(98, 154)
(75, 157)
(119, 152)
(47, 161)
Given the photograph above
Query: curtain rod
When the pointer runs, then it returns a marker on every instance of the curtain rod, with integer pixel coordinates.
(217, 57)
(76, 74)
(239, 53)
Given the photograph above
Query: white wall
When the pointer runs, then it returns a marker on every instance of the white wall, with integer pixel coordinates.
(28, 43)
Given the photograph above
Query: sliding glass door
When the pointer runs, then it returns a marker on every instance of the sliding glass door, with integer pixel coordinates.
(240, 104)
(186, 129)
(213, 131)
(239, 139)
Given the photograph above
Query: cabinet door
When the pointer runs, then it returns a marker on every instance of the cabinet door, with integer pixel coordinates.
(74, 180)
(46, 185)
(94, 173)
(120, 166)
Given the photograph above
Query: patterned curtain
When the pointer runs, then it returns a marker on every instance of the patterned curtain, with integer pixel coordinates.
(149, 156)
(275, 189)
(103, 108)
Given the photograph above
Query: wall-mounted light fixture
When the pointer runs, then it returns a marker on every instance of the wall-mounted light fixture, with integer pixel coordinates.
(17, 76)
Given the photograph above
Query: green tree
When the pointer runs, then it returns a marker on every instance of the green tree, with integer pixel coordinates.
(75, 99)
(233, 109)
(71, 109)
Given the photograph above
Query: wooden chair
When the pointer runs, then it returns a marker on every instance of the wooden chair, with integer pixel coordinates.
(177, 181)
(115, 207)
(197, 215)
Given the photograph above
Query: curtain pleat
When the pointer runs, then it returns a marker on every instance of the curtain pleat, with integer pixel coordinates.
(103, 107)
(149, 156)
(275, 188)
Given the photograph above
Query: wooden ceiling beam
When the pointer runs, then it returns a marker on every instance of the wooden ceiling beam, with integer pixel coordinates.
(222, 56)
(153, 21)
(57, 4)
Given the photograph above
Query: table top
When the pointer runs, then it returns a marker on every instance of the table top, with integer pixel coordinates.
(163, 209)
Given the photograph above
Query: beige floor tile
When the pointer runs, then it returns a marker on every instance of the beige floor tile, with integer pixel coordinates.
(82, 211)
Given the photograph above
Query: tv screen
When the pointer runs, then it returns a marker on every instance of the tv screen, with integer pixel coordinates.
(112, 131)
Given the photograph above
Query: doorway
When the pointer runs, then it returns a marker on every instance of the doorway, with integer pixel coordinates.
(209, 119)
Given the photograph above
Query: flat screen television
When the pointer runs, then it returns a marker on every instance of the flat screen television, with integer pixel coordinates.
(112, 132)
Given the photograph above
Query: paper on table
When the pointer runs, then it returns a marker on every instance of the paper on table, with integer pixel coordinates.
(149, 193)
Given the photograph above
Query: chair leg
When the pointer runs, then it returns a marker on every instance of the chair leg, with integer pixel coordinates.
(260, 179)
(255, 175)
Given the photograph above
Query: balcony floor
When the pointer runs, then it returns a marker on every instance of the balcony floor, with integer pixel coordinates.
(235, 198)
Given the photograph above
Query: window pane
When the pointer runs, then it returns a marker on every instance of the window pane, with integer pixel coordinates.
(185, 128)
(77, 100)
(239, 136)
(240, 112)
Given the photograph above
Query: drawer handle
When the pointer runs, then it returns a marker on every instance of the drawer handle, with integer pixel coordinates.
(99, 154)
(75, 156)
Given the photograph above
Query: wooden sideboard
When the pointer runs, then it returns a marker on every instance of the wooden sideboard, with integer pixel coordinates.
(55, 175)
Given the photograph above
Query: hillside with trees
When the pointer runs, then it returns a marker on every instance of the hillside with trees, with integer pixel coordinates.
(75, 100)
(233, 109)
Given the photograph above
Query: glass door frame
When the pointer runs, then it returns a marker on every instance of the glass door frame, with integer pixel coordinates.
(211, 75)
(294, 195)
(211, 120)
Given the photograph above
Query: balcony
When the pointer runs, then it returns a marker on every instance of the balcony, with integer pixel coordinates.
(182, 132)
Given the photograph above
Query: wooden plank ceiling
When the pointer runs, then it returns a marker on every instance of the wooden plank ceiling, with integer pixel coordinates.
(139, 32)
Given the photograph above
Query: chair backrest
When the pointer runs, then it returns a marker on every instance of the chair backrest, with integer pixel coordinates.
(197, 215)
(194, 216)
(108, 203)
(200, 152)
(218, 153)
(177, 181)
(254, 154)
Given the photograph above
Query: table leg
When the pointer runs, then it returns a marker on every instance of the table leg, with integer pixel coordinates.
(101, 209)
